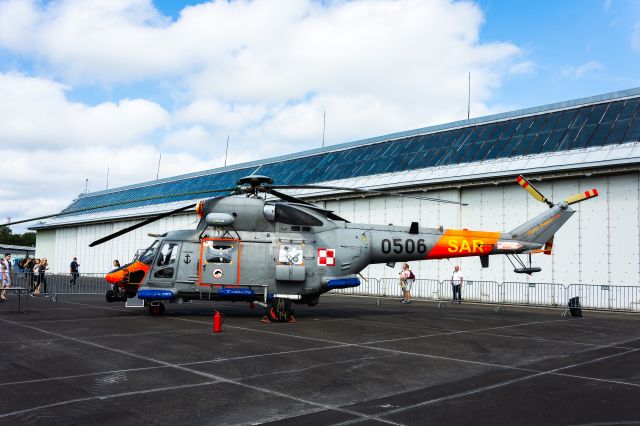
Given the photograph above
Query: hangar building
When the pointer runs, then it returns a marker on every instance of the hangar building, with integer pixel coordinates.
(564, 148)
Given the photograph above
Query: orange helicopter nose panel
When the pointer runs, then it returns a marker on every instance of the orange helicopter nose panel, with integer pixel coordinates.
(133, 273)
(116, 276)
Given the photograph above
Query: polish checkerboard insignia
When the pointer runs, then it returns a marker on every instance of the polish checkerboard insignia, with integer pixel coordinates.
(326, 257)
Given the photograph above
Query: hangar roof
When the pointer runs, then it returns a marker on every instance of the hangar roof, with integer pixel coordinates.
(585, 131)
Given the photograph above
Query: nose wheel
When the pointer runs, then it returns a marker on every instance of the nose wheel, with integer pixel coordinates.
(156, 308)
(116, 295)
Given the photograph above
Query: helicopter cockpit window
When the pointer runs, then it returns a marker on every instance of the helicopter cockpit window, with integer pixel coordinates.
(294, 216)
(148, 254)
(168, 254)
(166, 260)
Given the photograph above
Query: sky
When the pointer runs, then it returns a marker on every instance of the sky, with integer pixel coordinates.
(93, 92)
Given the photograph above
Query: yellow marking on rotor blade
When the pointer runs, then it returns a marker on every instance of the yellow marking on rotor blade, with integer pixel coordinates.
(582, 196)
(531, 189)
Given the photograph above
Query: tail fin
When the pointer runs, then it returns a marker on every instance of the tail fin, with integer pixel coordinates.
(541, 228)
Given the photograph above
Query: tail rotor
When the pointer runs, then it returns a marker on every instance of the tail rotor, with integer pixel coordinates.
(582, 196)
(533, 191)
(524, 182)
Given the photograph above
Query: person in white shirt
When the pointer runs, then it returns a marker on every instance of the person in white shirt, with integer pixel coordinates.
(5, 275)
(407, 279)
(36, 279)
(456, 284)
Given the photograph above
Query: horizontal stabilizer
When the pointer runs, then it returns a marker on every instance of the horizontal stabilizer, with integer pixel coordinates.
(533, 191)
(582, 196)
(530, 270)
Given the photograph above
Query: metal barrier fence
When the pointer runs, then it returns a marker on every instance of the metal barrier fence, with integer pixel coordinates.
(61, 283)
(612, 297)
(476, 291)
(592, 296)
(536, 294)
(604, 297)
(421, 289)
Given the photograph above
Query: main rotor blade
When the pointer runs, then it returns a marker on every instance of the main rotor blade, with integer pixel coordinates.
(523, 182)
(139, 225)
(367, 191)
(293, 199)
(63, 213)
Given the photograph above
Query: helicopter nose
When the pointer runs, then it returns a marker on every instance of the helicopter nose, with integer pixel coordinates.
(115, 276)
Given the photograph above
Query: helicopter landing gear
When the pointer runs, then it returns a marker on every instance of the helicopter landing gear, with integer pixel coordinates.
(156, 308)
(279, 310)
(116, 295)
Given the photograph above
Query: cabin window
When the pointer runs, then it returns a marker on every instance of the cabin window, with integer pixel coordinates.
(166, 260)
(294, 216)
(219, 254)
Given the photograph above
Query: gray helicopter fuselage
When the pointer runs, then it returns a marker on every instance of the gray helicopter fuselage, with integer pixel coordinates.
(248, 249)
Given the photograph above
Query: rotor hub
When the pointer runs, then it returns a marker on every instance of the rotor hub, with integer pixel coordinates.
(255, 180)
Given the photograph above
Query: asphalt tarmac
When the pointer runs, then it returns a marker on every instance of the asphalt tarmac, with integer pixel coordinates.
(81, 360)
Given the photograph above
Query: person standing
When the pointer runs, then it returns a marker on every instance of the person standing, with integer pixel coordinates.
(5, 275)
(73, 269)
(36, 275)
(44, 265)
(456, 284)
(28, 270)
(407, 278)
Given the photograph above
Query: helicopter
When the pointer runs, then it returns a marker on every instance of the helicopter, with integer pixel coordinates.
(275, 253)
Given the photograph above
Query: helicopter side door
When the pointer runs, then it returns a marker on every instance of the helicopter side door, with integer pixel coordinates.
(166, 264)
(257, 263)
(219, 261)
(187, 273)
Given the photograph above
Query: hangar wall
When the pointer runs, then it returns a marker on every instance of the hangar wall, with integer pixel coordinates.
(46, 245)
(599, 245)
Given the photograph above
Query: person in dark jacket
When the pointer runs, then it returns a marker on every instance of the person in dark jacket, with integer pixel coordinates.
(73, 269)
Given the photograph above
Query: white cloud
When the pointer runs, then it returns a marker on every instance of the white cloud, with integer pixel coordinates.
(263, 51)
(36, 113)
(582, 70)
(524, 67)
(262, 72)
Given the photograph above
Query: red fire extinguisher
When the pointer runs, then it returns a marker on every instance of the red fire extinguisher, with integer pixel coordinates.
(218, 319)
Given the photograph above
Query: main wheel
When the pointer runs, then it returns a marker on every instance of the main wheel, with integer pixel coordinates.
(111, 296)
(279, 310)
(270, 312)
